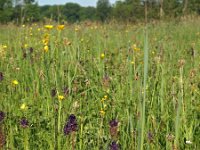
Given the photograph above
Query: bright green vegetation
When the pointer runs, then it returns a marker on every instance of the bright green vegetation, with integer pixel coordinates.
(112, 83)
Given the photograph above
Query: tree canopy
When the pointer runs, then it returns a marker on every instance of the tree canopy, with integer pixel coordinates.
(22, 11)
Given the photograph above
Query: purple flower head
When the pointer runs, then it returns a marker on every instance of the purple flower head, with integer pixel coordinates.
(1, 76)
(24, 123)
(113, 123)
(71, 125)
(53, 92)
(67, 129)
(114, 146)
(72, 118)
(2, 116)
(31, 50)
(150, 137)
(66, 90)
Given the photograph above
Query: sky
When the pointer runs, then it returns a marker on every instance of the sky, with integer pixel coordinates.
(81, 2)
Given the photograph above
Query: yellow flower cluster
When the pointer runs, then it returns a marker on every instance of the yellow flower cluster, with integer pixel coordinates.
(135, 48)
(46, 42)
(103, 109)
(48, 27)
(60, 97)
(60, 27)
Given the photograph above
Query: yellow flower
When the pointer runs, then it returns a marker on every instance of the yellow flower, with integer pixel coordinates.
(76, 29)
(103, 99)
(135, 48)
(60, 27)
(60, 97)
(25, 45)
(45, 41)
(49, 27)
(15, 82)
(102, 112)
(102, 56)
(46, 48)
(23, 107)
(4, 46)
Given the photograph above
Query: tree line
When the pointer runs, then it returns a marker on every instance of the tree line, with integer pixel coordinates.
(24, 11)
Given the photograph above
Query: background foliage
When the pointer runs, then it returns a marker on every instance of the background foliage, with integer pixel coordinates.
(128, 10)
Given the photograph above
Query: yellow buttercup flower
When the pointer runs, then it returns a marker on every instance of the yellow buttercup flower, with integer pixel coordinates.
(102, 56)
(60, 27)
(102, 112)
(23, 107)
(60, 97)
(4, 46)
(46, 48)
(15, 82)
(49, 27)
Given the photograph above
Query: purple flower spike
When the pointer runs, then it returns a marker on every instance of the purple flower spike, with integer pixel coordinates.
(71, 125)
(2, 116)
(114, 146)
(24, 123)
(113, 123)
(1, 76)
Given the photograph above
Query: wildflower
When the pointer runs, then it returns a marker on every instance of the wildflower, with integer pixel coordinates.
(113, 128)
(46, 48)
(135, 48)
(102, 56)
(60, 97)
(24, 122)
(23, 107)
(102, 112)
(187, 141)
(49, 27)
(5, 46)
(45, 41)
(31, 50)
(170, 137)
(15, 82)
(114, 146)
(76, 29)
(25, 45)
(53, 92)
(2, 138)
(113, 123)
(71, 125)
(150, 137)
(2, 116)
(1, 76)
(60, 27)
(66, 91)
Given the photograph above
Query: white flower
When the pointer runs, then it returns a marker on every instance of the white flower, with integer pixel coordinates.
(188, 142)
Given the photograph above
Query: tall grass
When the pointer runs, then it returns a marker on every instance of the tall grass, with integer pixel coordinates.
(152, 94)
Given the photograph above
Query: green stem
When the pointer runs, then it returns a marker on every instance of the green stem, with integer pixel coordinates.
(144, 90)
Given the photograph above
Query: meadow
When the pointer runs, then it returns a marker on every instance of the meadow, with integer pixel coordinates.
(93, 86)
